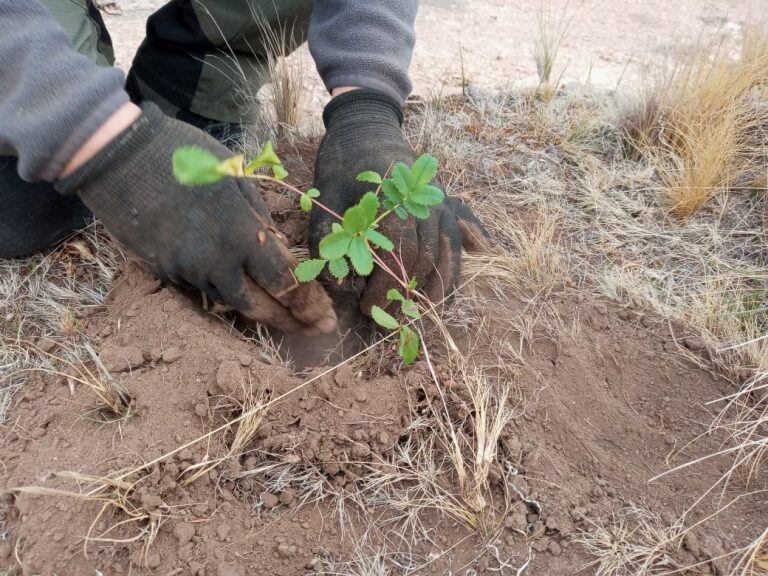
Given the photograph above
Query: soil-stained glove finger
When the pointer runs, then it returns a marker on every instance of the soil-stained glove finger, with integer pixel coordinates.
(262, 307)
(445, 276)
(474, 236)
(272, 270)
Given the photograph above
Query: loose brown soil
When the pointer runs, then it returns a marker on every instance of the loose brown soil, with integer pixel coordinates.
(604, 410)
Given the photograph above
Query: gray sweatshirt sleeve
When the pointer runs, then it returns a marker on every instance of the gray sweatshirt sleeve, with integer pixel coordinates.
(51, 97)
(366, 43)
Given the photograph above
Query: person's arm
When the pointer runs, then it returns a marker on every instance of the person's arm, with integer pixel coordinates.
(364, 44)
(52, 99)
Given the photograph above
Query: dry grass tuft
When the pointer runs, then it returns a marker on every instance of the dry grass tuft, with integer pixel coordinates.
(552, 28)
(43, 300)
(629, 545)
(114, 494)
(701, 123)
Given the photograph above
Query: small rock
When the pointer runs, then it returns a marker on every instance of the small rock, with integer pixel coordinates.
(694, 344)
(229, 377)
(201, 410)
(554, 548)
(286, 550)
(245, 359)
(540, 545)
(184, 531)
(172, 354)
(229, 570)
(269, 500)
(287, 496)
(223, 532)
(359, 394)
(153, 559)
(121, 359)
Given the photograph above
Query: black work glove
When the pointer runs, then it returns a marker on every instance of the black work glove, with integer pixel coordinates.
(218, 237)
(363, 132)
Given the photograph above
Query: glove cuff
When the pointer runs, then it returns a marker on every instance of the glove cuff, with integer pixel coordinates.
(364, 104)
(121, 148)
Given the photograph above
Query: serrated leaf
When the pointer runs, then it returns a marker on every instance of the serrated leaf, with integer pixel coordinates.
(391, 192)
(377, 238)
(408, 347)
(194, 166)
(409, 308)
(370, 205)
(338, 268)
(267, 157)
(427, 195)
(305, 202)
(313, 193)
(384, 319)
(369, 176)
(279, 172)
(401, 213)
(335, 245)
(394, 294)
(360, 255)
(417, 210)
(424, 169)
(308, 270)
(354, 220)
(232, 166)
(401, 176)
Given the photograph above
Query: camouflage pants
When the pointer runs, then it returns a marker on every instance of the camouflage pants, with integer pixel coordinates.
(198, 55)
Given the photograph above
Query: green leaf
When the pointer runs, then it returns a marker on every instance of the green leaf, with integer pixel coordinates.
(193, 166)
(383, 319)
(419, 211)
(369, 176)
(308, 270)
(409, 309)
(394, 294)
(313, 193)
(354, 220)
(408, 348)
(267, 157)
(427, 195)
(305, 202)
(391, 192)
(360, 255)
(412, 283)
(338, 268)
(401, 176)
(335, 245)
(336, 227)
(279, 172)
(377, 238)
(401, 213)
(370, 205)
(424, 169)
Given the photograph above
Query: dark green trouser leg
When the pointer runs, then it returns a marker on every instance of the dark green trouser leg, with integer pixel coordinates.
(35, 216)
(201, 56)
(85, 27)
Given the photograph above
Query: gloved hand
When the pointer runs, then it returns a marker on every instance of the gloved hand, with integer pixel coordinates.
(363, 132)
(219, 237)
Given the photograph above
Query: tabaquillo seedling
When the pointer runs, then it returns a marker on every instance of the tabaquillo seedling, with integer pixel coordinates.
(354, 238)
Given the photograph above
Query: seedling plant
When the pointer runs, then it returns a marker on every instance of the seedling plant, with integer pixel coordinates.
(355, 242)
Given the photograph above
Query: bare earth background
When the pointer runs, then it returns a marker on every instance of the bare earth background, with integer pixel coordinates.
(609, 42)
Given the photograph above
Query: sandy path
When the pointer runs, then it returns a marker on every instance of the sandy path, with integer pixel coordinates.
(607, 40)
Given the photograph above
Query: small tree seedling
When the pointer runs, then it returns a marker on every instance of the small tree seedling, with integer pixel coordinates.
(354, 242)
